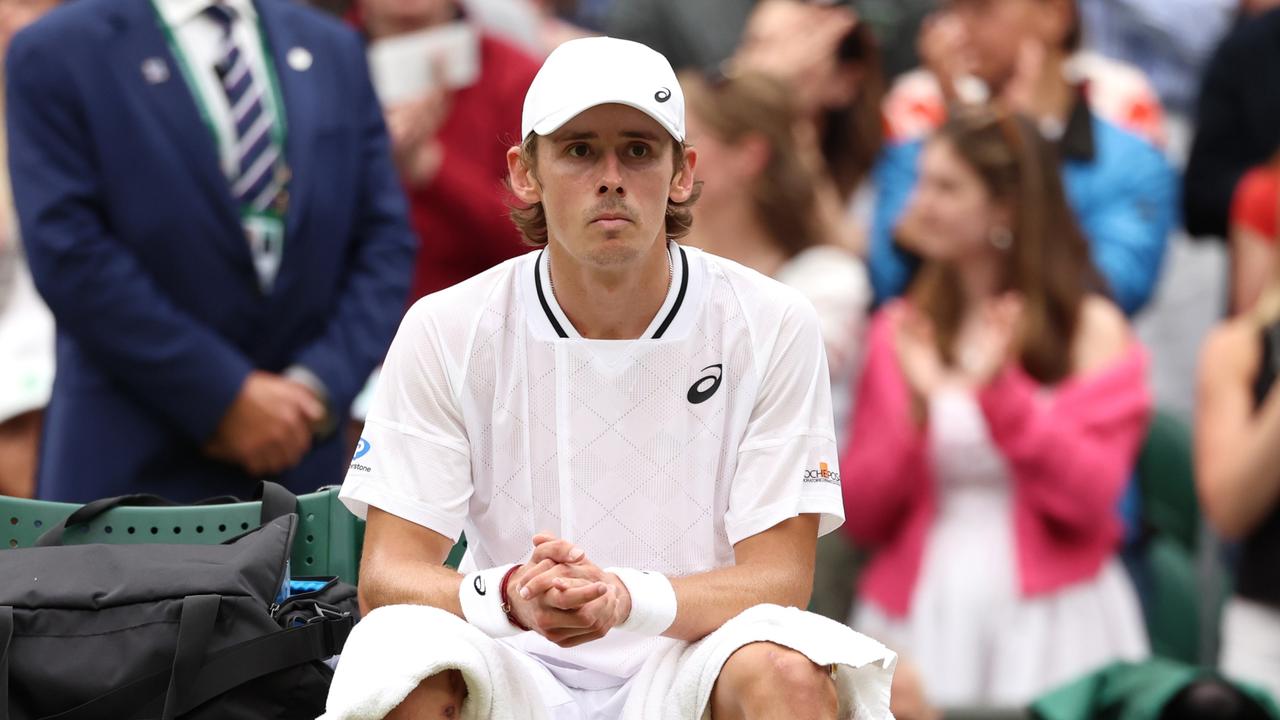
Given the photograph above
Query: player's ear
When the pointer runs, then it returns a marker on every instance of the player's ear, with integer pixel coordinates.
(682, 183)
(524, 184)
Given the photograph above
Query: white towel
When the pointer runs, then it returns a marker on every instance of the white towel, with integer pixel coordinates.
(678, 683)
(394, 648)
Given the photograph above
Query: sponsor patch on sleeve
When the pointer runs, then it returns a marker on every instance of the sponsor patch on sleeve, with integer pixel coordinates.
(362, 449)
(822, 474)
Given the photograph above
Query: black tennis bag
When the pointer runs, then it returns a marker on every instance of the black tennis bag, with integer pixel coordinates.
(136, 632)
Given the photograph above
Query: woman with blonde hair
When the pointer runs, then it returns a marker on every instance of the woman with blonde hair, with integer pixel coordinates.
(999, 415)
(830, 61)
(759, 207)
(1238, 466)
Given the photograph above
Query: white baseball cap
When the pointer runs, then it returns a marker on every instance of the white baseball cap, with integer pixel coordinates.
(584, 73)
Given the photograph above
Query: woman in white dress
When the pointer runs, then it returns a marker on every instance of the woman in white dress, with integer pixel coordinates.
(1000, 411)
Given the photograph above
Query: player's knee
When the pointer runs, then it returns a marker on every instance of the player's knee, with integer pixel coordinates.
(772, 673)
(798, 677)
(439, 696)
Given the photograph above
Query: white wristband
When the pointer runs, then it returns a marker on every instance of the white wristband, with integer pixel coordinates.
(481, 599)
(653, 601)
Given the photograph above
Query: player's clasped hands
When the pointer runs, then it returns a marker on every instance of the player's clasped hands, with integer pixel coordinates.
(565, 597)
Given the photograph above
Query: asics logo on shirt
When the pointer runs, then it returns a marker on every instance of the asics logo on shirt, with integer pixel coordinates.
(706, 386)
(479, 584)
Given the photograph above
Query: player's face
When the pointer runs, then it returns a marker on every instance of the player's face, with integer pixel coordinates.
(604, 180)
(952, 206)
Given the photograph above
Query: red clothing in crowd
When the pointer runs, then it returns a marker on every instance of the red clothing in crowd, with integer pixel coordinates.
(1070, 450)
(1257, 201)
(460, 216)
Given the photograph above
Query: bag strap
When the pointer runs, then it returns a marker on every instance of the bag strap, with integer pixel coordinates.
(320, 639)
(277, 501)
(6, 634)
(89, 511)
(224, 670)
(199, 614)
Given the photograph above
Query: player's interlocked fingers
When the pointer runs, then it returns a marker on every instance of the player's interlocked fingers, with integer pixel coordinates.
(593, 611)
(565, 597)
(555, 563)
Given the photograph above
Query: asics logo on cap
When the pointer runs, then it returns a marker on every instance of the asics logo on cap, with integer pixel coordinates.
(584, 73)
(701, 390)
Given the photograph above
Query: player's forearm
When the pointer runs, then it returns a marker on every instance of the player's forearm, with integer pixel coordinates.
(409, 582)
(708, 600)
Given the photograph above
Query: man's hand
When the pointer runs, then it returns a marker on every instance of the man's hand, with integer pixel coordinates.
(565, 597)
(797, 45)
(267, 429)
(413, 127)
(944, 50)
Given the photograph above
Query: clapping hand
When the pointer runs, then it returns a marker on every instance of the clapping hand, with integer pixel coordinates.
(992, 345)
(918, 356)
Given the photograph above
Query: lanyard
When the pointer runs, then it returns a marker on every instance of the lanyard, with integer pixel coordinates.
(278, 128)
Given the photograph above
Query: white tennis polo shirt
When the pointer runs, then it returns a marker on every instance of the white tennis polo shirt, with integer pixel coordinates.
(494, 417)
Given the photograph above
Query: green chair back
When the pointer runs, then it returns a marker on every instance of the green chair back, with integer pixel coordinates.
(1173, 616)
(1166, 480)
(328, 542)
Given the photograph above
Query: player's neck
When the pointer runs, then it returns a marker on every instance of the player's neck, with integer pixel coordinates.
(608, 304)
(735, 234)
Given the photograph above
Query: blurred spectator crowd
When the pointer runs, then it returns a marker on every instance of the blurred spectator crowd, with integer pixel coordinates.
(1041, 237)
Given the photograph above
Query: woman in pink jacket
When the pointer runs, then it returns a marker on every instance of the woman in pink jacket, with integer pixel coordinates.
(999, 415)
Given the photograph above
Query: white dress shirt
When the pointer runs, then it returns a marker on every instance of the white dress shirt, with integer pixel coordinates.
(199, 37)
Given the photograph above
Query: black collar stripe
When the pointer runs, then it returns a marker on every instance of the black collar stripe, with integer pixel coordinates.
(542, 298)
(675, 307)
(666, 322)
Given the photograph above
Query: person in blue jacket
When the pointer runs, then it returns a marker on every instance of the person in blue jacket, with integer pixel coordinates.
(210, 210)
(1122, 189)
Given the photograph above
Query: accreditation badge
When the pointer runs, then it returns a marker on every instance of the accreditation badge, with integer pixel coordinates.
(265, 232)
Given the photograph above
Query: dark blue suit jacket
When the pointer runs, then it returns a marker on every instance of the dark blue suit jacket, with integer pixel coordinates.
(135, 243)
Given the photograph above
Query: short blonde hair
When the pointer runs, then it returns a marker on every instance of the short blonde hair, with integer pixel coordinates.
(531, 220)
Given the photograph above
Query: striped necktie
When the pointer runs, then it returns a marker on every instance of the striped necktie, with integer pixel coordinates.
(255, 182)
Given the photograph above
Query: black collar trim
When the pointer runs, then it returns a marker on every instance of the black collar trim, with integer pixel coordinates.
(675, 307)
(662, 328)
(542, 298)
